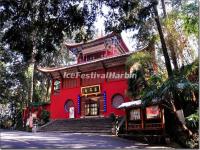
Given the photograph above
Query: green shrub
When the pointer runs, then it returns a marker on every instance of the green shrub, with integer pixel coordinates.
(44, 116)
(192, 121)
(112, 117)
(7, 123)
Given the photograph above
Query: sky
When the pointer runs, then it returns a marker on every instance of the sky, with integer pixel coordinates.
(126, 35)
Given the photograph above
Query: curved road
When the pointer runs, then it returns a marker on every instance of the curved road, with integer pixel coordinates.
(41, 140)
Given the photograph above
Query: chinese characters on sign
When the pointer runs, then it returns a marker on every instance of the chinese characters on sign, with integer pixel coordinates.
(153, 112)
(135, 114)
(89, 90)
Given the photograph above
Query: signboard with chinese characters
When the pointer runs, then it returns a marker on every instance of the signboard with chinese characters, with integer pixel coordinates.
(135, 114)
(89, 90)
(153, 112)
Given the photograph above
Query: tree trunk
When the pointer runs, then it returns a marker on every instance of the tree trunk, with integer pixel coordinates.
(169, 40)
(172, 50)
(184, 127)
(177, 103)
(164, 47)
(32, 79)
(151, 49)
(47, 92)
(32, 63)
(164, 9)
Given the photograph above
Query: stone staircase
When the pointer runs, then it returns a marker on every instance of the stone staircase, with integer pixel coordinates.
(82, 125)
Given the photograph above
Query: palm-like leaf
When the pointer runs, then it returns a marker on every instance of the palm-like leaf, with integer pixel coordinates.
(179, 85)
(193, 120)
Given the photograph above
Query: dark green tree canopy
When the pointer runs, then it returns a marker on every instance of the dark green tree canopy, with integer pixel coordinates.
(38, 26)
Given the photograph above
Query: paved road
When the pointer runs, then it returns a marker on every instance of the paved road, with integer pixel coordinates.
(18, 139)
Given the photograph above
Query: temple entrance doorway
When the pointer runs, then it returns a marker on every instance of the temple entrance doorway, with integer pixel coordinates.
(92, 106)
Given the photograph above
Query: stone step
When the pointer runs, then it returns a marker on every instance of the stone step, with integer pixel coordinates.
(89, 123)
(77, 128)
(83, 121)
(80, 131)
(53, 127)
(83, 125)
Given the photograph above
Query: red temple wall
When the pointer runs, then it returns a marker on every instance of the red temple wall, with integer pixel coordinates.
(58, 101)
(111, 88)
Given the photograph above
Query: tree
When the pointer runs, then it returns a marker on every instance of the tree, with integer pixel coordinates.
(162, 89)
(174, 26)
(139, 66)
(189, 15)
(36, 28)
(164, 47)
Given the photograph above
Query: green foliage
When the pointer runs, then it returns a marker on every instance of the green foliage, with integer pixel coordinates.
(136, 63)
(5, 84)
(136, 83)
(191, 69)
(38, 26)
(13, 80)
(112, 117)
(189, 15)
(162, 90)
(143, 58)
(152, 88)
(37, 29)
(39, 103)
(193, 120)
(159, 87)
(44, 116)
(178, 84)
(6, 123)
(19, 120)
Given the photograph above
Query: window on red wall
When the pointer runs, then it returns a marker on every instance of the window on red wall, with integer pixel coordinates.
(117, 100)
(56, 86)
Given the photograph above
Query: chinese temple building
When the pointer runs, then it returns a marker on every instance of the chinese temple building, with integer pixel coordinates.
(92, 86)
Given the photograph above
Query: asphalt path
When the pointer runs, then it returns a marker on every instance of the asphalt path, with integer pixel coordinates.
(52, 140)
